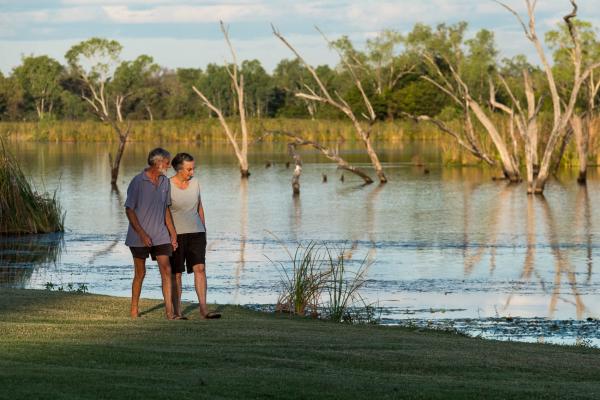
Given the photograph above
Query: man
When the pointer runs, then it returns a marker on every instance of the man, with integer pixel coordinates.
(151, 230)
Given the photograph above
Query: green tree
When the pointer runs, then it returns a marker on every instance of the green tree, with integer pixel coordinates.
(11, 98)
(257, 86)
(289, 77)
(39, 78)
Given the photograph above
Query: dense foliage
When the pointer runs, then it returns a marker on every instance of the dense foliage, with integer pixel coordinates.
(390, 67)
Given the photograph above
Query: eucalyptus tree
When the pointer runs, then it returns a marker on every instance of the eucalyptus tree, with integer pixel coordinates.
(258, 85)
(109, 86)
(216, 84)
(290, 76)
(40, 79)
(181, 101)
(11, 98)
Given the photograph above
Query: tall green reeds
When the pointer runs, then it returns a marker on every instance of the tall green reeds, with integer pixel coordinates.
(23, 210)
(343, 288)
(303, 283)
(318, 283)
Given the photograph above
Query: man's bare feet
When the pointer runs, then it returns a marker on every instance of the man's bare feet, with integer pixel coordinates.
(135, 314)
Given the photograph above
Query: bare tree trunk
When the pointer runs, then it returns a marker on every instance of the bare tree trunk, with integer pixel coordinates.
(581, 142)
(150, 115)
(116, 162)
(510, 169)
(297, 168)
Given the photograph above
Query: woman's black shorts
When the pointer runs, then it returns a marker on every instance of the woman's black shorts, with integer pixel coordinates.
(191, 250)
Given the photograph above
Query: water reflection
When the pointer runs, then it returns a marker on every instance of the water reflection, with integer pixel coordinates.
(243, 237)
(562, 265)
(450, 244)
(21, 255)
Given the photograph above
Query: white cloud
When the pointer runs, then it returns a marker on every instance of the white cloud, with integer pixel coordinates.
(172, 14)
(62, 15)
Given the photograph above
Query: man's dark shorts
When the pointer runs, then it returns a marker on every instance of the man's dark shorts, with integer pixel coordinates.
(191, 250)
(144, 252)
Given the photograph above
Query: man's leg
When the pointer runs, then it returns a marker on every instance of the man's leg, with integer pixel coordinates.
(165, 276)
(176, 281)
(139, 266)
(200, 284)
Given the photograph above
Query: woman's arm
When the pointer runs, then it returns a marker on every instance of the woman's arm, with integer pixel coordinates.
(171, 228)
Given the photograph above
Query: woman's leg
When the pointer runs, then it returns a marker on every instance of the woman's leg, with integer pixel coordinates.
(200, 284)
(176, 281)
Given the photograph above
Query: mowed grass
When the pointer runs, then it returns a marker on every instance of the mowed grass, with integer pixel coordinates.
(72, 346)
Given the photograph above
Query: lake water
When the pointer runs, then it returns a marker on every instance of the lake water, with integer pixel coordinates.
(449, 248)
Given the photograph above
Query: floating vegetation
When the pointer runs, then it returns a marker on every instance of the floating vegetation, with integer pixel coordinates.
(577, 332)
(22, 209)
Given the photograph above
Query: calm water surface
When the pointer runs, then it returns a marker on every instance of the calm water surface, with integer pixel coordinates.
(451, 248)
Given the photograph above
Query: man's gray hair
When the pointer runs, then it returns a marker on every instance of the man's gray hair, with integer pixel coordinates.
(158, 154)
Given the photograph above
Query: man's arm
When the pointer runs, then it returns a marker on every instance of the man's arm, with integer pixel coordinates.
(171, 228)
(135, 223)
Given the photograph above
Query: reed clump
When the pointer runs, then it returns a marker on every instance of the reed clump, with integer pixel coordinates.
(318, 283)
(22, 209)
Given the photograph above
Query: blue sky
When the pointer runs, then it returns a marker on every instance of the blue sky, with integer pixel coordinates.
(179, 33)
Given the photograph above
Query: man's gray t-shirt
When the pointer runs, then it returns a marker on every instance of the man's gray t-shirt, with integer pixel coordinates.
(150, 205)
(184, 208)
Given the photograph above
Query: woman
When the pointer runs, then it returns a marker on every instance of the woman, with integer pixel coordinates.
(188, 218)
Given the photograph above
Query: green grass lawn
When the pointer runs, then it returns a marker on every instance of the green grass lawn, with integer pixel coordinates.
(71, 346)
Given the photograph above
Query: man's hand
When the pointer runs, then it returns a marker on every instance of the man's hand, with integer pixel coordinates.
(146, 239)
(174, 242)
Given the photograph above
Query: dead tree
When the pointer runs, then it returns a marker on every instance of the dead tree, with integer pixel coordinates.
(525, 121)
(324, 96)
(465, 138)
(237, 80)
(333, 155)
(455, 87)
(562, 108)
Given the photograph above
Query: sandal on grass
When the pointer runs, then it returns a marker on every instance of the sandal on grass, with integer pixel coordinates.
(211, 315)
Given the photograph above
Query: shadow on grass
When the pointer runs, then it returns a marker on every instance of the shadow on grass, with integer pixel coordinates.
(194, 308)
(156, 307)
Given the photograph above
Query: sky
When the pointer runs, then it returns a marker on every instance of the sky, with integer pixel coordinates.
(180, 33)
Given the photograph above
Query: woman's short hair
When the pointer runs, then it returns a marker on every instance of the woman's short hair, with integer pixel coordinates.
(179, 159)
(158, 154)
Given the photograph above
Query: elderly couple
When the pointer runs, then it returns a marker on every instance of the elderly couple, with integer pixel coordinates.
(166, 222)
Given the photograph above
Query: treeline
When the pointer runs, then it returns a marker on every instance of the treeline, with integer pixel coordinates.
(390, 67)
